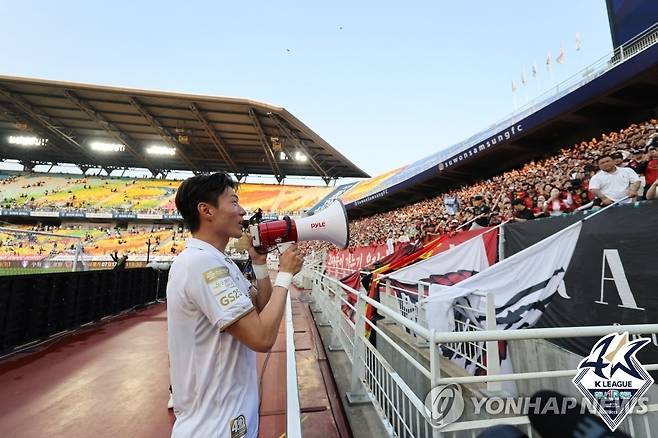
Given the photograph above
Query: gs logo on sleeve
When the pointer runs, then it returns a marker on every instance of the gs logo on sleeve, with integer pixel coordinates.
(222, 286)
(238, 427)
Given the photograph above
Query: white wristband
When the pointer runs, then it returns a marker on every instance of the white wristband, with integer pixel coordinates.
(261, 271)
(283, 279)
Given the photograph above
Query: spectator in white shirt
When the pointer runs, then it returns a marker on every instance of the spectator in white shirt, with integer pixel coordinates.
(390, 244)
(613, 183)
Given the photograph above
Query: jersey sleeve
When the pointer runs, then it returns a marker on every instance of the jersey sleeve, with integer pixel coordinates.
(217, 295)
(594, 183)
(632, 175)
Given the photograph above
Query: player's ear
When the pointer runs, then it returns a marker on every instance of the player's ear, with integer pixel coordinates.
(205, 210)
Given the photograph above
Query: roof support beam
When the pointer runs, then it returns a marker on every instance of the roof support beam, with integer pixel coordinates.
(216, 139)
(45, 121)
(267, 148)
(111, 129)
(164, 133)
(11, 115)
(107, 126)
(291, 134)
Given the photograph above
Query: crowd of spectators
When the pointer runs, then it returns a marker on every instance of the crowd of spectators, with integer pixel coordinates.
(555, 185)
(97, 240)
(102, 194)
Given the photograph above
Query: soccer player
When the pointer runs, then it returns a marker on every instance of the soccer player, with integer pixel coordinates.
(216, 320)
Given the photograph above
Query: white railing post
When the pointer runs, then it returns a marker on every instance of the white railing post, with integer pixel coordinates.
(336, 319)
(357, 393)
(435, 371)
(387, 291)
(420, 341)
(293, 413)
(324, 304)
(493, 358)
(317, 296)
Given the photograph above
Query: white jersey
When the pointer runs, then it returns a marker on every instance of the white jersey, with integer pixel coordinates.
(614, 185)
(213, 375)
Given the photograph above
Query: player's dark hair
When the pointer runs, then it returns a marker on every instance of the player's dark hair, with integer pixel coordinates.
(200, 188)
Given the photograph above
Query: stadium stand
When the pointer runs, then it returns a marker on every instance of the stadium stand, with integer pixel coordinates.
(555, 185)
(99, 240)
(37, 191)
(565, 175)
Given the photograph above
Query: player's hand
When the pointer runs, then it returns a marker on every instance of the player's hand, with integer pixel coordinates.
(256, 257)
(291, 260)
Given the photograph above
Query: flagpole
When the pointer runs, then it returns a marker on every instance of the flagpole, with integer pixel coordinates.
(604, 208)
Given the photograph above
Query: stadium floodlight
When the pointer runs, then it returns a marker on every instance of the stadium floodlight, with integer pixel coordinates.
(102, 146)
(300, 157)
(161, 150)
(24, 140)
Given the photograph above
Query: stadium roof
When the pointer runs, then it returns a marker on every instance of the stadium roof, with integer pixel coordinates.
(240, 136)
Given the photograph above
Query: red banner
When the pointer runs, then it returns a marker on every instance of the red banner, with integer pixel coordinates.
(344, 262)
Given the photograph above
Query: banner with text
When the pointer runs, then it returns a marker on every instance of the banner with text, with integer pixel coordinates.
(612, 276)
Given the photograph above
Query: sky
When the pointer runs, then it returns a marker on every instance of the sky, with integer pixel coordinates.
(385, 83)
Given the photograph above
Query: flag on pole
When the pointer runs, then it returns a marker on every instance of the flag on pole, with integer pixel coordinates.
(470, 256)
(534, 69)
(522, 285)
(523, 78)
(579, 42)
(406, 256)
(447, 268)
(548, 61)
(560, 57)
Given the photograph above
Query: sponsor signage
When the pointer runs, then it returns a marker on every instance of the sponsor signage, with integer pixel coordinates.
(124, 215)
(148, 216)
(40, 213)
(497, 139)
(72, 214)
(8, 212)
(98, 215)
(331, 197)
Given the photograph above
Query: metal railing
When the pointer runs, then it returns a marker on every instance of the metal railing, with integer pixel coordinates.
(293, 413)
(471, 352)
(401, 408)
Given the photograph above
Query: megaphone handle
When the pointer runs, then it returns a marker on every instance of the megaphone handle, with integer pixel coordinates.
(289, 223)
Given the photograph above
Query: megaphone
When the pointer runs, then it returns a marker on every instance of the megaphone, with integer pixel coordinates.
(330, 225)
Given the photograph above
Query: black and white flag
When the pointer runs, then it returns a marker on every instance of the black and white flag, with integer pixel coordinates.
(522, 286)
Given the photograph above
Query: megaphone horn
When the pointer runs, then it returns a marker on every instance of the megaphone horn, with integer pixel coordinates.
(330, 225)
